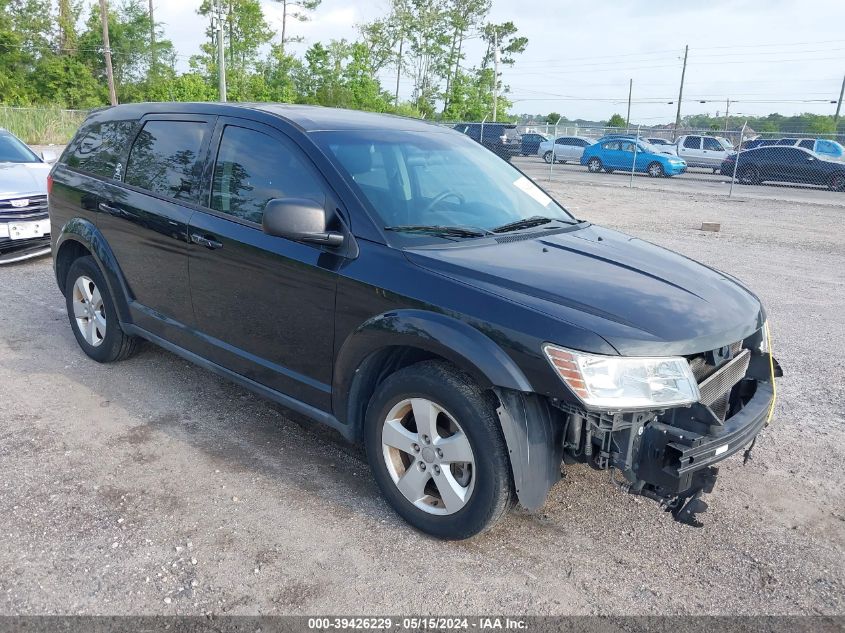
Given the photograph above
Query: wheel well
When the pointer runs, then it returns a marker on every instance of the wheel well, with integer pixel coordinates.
(372, 372)
(68, 253)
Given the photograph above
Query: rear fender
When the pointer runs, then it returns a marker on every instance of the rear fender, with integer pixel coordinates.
(85, 233)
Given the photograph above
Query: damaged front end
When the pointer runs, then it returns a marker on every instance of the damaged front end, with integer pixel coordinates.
(669, 454)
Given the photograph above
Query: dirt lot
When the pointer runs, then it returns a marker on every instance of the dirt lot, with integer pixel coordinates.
(154, 487)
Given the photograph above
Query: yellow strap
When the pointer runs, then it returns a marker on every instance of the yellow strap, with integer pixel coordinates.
(771, 374)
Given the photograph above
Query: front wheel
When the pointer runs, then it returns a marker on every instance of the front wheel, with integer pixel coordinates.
(749, 175)
(548, 158)
(655, 170)
(437, 452)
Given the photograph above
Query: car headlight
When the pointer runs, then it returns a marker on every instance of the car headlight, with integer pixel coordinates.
(764, 338)
(624, 382)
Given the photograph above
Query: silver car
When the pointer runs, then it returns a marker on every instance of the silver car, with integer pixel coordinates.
(24, 226)
(566, 149)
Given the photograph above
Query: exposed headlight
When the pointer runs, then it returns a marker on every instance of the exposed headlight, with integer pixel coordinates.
(624, 382)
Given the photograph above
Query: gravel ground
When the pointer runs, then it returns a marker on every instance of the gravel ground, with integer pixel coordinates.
(152, 486)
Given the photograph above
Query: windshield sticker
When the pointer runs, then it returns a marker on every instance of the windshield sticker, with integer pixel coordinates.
(532, 190)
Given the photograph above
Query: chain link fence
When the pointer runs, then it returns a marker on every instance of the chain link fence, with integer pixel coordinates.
(711, 160)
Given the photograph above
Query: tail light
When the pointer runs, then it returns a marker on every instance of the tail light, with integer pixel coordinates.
(49, 184)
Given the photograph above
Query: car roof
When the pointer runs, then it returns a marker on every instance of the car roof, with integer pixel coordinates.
(309, 118)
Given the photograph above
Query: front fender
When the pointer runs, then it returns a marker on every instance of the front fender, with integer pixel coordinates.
(445, 336)
(84, 232)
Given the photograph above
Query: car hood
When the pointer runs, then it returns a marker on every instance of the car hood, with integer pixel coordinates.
(641, 298)
(23, 179)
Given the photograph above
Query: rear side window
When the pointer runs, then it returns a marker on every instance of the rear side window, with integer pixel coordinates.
(165, 157)
(99, 151)
(692, 142)
(807, 143)
(252, 168)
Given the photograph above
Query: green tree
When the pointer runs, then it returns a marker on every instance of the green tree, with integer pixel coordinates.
(616, 120)
(552, 118)
(298, 10)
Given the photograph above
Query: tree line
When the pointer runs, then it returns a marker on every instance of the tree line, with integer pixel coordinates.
(51, 53)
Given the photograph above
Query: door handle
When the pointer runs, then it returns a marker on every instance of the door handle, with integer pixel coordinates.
(106, 208)
(209, 242)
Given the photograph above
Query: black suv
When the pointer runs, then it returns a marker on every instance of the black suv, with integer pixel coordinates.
(500, 138)
(402, 285)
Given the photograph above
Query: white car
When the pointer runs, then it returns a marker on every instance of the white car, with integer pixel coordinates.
(704, 151)
(566, 149)
(24, 225)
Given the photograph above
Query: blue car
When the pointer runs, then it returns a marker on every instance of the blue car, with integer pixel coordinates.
(619, 154)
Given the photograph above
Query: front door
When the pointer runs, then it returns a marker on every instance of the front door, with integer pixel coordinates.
(264, 305)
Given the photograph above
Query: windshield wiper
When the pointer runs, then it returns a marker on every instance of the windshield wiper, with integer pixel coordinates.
(437, 229)
(525, 223)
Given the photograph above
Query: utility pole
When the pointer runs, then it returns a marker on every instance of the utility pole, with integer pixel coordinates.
(838, 105)
(727, 112)
(104, 13)
(628, 117)
(495, 73)
(399, 68)
(153, 60)
(221, 55)
(680, 94)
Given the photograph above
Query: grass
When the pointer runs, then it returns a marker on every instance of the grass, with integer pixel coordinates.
(41, 126)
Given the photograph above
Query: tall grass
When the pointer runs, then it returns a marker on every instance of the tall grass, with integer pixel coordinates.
(41, 126)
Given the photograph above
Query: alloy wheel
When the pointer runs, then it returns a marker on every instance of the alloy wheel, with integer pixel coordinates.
(428, 456)
(89, 311)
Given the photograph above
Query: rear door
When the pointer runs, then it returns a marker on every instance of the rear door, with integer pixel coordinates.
(690, 149)
(264, 305)
(145, 221)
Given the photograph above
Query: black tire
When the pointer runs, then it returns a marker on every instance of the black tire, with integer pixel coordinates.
(609, 171)
(115, 344)
(456, 392)
(749, 175)
(655, 170)
(548, 157)
(594, 165)
(837, 182)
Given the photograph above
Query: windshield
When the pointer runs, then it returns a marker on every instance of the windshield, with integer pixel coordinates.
(436, 179)
(14, 151)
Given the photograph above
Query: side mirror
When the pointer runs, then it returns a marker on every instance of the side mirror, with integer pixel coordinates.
(299, 219)
(49, 156)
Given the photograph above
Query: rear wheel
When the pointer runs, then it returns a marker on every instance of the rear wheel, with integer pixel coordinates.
(92, 314)
(437, 452)
(655, 170)
(837, 182)
(594, 165)
(548, 158)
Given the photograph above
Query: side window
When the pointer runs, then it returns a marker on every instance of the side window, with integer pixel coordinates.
(99, 151)
(165, 156)
(711, 143)
(808, 143)
(692, 142)
(612, 145)
(627, 147)
(252, 168)
(583, 143)
(787, 141)
(562, 141)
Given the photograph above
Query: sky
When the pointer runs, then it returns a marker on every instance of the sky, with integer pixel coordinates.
(765, 56)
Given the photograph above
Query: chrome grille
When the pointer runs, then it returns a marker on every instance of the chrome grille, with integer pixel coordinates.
(36, 206)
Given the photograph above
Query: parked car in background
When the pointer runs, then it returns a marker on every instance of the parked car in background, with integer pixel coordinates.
(531, 143)
(822, 146)
(785, 164)
(500, 138)
(703, 151)
(665, 146)
(403, 286)
(566, 149)
(619, 154)
(24, 226)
